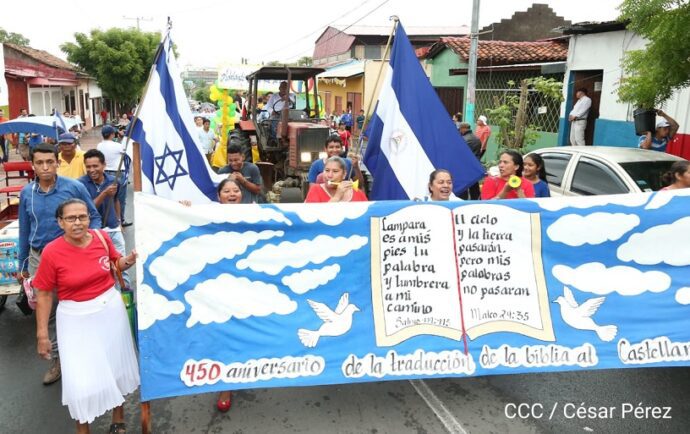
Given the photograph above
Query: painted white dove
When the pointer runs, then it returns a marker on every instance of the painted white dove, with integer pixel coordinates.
(334, 323)
(580, 316)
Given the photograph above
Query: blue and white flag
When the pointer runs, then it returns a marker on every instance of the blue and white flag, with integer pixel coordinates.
(411, 134)
(172, 163)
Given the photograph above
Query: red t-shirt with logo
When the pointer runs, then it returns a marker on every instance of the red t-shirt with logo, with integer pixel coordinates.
(78, 273)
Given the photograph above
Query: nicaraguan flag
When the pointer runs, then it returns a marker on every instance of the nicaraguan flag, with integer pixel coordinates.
(411, 133)
(172, 163)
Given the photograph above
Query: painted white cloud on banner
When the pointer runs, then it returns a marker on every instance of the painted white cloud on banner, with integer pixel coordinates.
(594, 277)
(668, 244)
(331, 214)
(584, 202)
(596, 228)
(306, 280)
(683, 295)
(159, 220)
(661, 198)
(271, 258)
(152, 307)
(220, 299)
(177, 264)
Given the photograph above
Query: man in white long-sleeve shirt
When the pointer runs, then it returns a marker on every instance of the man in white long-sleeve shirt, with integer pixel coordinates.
(578, 117)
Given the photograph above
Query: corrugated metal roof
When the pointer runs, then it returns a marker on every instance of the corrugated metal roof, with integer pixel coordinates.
(345, 70)
(43, 57)
(411, 31)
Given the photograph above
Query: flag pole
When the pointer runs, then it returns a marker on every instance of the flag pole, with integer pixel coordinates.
(135, 117)
(145, 406)
(358, 149)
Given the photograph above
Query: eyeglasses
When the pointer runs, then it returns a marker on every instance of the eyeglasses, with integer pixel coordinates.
(74, 218)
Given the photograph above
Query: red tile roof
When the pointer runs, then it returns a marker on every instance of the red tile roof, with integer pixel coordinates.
(43, 57)
(504, 52)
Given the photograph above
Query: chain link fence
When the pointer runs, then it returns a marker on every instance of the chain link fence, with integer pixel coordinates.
(542, 112)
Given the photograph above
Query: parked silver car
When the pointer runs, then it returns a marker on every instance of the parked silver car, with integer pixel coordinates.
(595, 170)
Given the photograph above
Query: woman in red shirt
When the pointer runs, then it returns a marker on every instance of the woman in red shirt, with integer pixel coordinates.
(97, 357)
(509, 164)
(345, 137)
(334, 188)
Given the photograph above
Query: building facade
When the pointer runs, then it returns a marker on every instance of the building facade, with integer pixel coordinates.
(594, 62)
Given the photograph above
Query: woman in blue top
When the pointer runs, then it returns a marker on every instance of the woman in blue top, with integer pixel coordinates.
(535, 172)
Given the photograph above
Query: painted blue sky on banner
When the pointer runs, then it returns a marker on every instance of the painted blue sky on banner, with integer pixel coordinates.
(291, 287)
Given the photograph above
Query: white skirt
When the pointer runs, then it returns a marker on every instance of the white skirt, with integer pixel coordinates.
(97, 357)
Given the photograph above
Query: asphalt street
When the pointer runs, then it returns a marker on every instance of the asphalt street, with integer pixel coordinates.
(469, 405)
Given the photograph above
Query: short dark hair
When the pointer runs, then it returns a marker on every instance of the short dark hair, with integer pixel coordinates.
(205, 120)
(434, 174)
(234, 149)
(94, 153)
(583, 90)
(72, 201)
(333, 138)
(43, 148)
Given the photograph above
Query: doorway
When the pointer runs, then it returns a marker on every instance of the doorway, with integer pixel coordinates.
(592, 81)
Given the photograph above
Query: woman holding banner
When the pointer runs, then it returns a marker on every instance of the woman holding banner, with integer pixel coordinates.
(510, 184)
(97, 357)
(440, 185)
(335, 188)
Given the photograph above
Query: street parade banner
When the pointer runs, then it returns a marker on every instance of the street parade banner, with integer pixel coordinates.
(246, 296)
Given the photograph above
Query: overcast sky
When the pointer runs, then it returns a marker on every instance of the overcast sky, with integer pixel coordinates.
(211, 32)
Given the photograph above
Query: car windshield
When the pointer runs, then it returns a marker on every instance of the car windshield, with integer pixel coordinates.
(647, 174)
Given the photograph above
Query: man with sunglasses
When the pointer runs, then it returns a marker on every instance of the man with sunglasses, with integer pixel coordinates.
(38, 225)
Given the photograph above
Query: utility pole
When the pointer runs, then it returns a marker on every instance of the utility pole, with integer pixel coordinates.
(472, 70)
(137, 19)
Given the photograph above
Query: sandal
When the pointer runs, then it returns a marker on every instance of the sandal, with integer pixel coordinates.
(117, 428)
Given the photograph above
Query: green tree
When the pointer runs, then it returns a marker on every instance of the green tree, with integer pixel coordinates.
(119, 59)
(305, 61)
(510, 111)
(653, 74)
(12, 38)
(203, 95)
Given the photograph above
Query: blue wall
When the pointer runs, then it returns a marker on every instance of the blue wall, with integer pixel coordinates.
(615, 133)
(607, 132)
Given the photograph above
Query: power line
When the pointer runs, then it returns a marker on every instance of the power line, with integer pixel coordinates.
(343, 30)
(314, 31)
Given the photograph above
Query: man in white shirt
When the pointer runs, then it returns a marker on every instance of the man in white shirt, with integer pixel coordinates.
(113, 152)
(276, 101)
(208, 139)
(578, 117)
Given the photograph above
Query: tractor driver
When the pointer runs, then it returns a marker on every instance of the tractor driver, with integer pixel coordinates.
(276, 104)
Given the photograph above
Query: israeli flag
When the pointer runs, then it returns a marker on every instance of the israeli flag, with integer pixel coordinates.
(172, 163)
(411, 133)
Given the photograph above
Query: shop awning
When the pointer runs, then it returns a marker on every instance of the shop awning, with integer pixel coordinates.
(41, 81)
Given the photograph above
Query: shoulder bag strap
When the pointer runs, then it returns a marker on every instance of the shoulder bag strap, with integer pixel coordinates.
(114, 268)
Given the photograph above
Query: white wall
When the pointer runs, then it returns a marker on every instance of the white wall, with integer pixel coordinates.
(605, 51)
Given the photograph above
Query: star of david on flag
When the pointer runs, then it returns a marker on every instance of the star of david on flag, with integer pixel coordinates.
(177, 170)
(172, 163)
